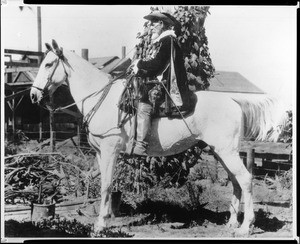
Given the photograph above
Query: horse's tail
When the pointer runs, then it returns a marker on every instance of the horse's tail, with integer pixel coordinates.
(265, 117)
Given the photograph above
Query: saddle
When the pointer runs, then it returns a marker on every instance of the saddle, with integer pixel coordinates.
(172, 111)
(153, 92)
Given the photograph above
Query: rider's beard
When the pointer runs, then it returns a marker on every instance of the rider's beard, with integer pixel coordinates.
(154, 35)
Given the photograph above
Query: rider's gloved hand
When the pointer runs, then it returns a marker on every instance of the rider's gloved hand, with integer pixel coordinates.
(134, 67)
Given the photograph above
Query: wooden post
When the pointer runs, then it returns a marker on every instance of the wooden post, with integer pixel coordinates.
(123, 52)
(85, 55)
(13, 117)
(52, 132)
(40, 125)
(215, 170)
(79, 122)
(250, 159)
(39, 25)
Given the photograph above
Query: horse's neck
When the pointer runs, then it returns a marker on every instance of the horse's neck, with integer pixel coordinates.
(84, 78)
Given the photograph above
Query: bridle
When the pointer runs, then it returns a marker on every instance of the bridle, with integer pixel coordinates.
(49, 78)
(90, 114)
(105, 89)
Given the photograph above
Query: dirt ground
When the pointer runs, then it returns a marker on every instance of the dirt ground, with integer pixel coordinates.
(273, 206)
(274, 217)
(272, 220)
(273, 210)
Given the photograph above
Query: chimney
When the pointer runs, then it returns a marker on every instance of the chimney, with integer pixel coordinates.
(123, 52)
(85, 54)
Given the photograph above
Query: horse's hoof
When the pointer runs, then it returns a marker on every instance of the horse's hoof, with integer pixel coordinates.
(242, 232)
(96, 231)
(233, 225)
(100, 225)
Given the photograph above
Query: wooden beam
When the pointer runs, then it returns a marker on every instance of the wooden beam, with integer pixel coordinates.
(20, 100)
(19, 84)
(16, 77)
(20, 69)
(21, 64)
(14, 51)
(10, 105)
(268, 155)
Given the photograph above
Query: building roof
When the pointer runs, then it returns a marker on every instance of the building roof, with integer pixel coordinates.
(111, 64)
(117, 66)
(101, 62)
(225, 81)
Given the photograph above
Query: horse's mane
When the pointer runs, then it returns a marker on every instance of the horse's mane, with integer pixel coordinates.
(84, 68)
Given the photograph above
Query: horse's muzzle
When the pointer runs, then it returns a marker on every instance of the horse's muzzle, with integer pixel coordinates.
(35, 95)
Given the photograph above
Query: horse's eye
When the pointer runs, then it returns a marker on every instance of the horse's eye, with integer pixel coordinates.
(48, 65)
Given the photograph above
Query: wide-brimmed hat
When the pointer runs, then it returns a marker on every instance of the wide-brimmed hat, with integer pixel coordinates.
(159, 16)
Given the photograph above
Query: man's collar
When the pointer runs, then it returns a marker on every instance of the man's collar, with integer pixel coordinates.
(164, 34)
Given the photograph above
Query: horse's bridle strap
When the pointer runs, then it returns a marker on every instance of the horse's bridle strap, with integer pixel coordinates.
(40, 89)
(49, 79)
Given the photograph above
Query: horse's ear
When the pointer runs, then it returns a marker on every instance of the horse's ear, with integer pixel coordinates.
(54, 44)
(49, 48)
(58, 51)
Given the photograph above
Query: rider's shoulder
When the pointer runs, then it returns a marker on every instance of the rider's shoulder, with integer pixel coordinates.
(166, 40)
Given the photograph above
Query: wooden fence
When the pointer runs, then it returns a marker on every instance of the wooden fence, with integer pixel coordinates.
(266, 163)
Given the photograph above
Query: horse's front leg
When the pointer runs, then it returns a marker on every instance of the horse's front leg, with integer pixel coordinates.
(107, 161)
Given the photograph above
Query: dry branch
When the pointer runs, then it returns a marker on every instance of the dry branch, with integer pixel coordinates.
(11, 174)
(33, 154)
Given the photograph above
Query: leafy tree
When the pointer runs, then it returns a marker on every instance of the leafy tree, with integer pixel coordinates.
(193, 41)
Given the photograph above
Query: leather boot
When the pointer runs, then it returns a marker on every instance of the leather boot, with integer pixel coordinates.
(138, 141)
(142, 129)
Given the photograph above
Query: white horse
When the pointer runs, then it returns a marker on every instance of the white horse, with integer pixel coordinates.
(217, 120)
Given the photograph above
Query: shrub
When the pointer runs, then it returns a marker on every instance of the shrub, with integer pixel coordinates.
(286, 179)
(286, 135)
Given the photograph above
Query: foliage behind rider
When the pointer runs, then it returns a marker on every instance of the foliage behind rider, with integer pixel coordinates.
(161, 81)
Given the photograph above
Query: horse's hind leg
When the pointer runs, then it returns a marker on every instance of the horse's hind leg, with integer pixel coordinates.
(242, 183)
(245, 181)
(235, 202)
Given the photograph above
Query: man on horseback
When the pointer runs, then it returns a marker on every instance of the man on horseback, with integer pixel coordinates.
(161, 80)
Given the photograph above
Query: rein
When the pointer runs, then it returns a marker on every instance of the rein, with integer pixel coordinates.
(87, 118)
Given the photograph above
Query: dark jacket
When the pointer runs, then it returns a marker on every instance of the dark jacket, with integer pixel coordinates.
(155, 66)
